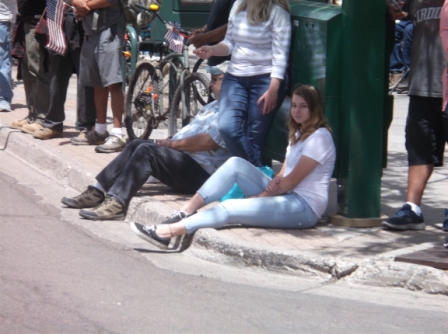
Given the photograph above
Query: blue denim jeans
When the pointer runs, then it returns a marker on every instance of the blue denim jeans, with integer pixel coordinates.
(241, 124)
(6, 93)
(400, 59)
(284, 211)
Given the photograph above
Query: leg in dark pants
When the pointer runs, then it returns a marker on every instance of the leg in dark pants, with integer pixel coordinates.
(127, 173)
(63, 67)
(36, 75)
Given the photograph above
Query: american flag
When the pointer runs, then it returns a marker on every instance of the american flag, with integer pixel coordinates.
(55, 20)
(175, 40)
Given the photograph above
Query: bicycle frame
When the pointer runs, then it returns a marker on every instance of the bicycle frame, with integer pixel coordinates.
(132, 35)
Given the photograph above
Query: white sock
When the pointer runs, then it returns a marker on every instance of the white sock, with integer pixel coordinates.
(101, 128)
(99, 187)
(117, 132)
(415, 208)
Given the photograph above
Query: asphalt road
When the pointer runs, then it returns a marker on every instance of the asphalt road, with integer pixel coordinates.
(57, 277)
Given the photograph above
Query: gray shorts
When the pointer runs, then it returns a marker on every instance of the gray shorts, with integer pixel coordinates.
(101, 57)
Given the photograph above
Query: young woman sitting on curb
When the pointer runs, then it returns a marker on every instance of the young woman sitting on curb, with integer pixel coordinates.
(295, 198)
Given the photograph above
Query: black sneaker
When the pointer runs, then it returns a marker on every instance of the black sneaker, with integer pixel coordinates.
(90, 198)
(177, 216)
(405, 219)
(445, 244)
(148, 233)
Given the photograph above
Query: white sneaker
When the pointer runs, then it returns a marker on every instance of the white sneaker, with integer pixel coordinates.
(5, 106)
(112, 144)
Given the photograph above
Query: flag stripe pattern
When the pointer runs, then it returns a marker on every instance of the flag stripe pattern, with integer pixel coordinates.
(176, 41)
(55, 20)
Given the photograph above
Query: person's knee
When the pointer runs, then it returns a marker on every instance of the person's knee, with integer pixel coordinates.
(228, 130)
(116, 89)
(135, 143)
(236, 163)
(143, 148)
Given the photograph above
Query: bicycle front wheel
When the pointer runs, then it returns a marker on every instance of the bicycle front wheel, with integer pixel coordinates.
(142, 102)
(196, 92)
(201, 67)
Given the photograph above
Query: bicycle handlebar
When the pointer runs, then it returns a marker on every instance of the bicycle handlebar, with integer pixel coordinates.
(186, 33)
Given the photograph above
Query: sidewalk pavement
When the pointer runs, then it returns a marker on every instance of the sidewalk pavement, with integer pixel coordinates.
(325, 253)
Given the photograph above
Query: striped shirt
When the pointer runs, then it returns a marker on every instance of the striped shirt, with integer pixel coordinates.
(8, 10)
(261, 48)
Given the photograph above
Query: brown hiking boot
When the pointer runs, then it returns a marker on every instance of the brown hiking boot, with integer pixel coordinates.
(31, 128)
(110, 209)
(90, 198)
(18, 124)
(47, 133)
(393, 79)
(89, 138)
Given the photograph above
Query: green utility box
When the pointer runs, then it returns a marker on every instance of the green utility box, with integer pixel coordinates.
(190, 14)
(314, 60)
(315, 53)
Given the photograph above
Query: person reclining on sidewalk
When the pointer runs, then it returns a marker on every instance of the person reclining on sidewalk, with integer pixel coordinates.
(184, 163)
(295, 198)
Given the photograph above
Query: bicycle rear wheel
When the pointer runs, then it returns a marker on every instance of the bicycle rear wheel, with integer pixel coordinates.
(142, 101)
(196, 92)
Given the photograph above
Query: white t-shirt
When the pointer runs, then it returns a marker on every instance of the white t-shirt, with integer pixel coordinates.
(314, 188)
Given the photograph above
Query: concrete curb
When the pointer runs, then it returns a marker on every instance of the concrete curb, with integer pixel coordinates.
(65, 170)
(211, 245)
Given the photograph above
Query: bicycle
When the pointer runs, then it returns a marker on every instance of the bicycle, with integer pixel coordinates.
(155, 84)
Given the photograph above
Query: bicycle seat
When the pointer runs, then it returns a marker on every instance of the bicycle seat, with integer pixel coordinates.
(153, 46)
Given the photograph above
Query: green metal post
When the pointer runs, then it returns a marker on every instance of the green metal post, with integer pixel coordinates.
(362, 108)
(133, 38)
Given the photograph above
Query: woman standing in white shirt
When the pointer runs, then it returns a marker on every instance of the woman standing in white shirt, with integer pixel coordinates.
(295, 198)
(258, 39)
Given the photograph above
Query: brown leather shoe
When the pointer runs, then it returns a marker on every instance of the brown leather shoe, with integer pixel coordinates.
(47, 133)
(30, 128)
(18, 124)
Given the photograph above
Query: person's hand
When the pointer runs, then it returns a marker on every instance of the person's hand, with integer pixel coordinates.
(198, 39)
(164, 142)
(395, 9)
(198, 31)
(81, 8)
(268, 101)
(204, 52)
(274, 186)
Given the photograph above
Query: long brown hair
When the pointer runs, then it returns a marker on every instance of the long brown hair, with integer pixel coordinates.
(317, 118)
(260, 10)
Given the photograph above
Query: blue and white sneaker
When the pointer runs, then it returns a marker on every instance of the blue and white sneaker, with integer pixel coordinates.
(405, 219)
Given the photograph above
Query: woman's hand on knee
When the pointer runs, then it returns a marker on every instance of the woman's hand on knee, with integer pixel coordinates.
(274, 186)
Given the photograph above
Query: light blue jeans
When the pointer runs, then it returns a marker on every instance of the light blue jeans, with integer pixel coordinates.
(285, 211)
(5, 63)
